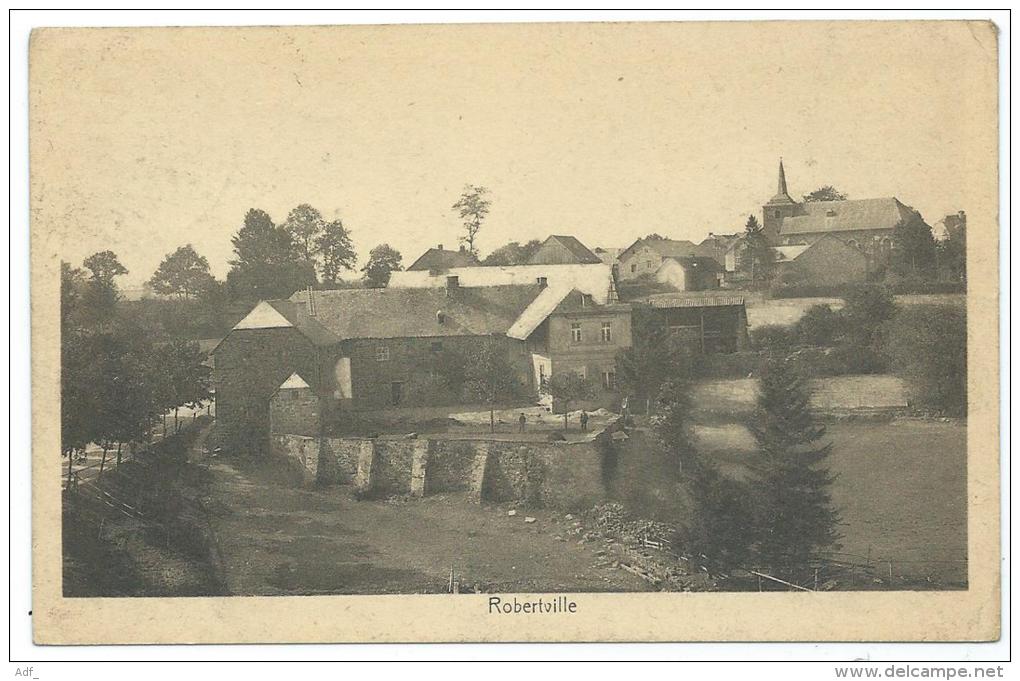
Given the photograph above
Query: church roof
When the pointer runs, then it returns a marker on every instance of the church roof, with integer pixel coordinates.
(820, 217)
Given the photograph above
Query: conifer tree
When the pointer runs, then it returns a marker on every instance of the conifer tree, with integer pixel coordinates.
(797, 520)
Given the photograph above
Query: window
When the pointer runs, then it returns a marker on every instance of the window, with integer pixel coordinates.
(575, 333)
(633, 268)
(609, 380)
(437, 346)
(382, 354)
(542, 281)
(776, 214)
(607, 332)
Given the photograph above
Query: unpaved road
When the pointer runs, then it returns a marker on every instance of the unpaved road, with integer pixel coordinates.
(276, 537)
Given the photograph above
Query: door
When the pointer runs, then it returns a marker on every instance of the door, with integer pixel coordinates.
(396, 392)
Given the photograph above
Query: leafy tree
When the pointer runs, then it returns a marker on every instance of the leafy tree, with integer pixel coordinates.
(490, 378)
(101, 294)
(757, 257)
(826, 193)
(568, 387)
(72, 287)
(512, 253)
(654, 236)
(867, 308)
(927, 346)
(654, 358)
(267, 263)
(820, 325)
(187, 375)
(913, 251)
(671, 423)
(797, 519)
(183, 274)
(104, 266)
(305, 224)
(383, 260)
(335, 251)
(472, 207)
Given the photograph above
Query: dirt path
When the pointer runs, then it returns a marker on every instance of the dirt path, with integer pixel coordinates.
(277, 538)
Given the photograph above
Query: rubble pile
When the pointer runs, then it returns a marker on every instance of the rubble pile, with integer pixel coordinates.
(640, 546)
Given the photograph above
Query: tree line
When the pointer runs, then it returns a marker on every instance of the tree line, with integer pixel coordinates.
(117, 379)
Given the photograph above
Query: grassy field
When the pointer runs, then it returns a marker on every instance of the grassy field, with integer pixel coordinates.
(786, 311)
(901, 489)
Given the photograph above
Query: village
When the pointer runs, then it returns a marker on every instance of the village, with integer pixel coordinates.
(556, 416)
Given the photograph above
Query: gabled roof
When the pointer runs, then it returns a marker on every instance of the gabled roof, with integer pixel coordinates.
(788, 253)
(667, 248)
(284, 314)
(294, 382)
(579, 253)
(693, 299)
(440, 259)
(552, 299)
(841, 216)
(419, 312)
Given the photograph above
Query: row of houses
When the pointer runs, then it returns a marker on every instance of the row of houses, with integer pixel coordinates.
(569, 309)
(368, 349)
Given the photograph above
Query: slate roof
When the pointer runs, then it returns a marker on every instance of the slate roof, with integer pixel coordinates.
(296, 313)
(841, 216)
(441, 259)
(412, 312)
(581, 253)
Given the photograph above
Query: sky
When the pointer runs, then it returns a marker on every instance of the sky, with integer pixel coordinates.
(143, 140)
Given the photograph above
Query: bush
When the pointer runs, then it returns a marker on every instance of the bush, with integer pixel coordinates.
(819, 326)
(774, 338)
(927, 347)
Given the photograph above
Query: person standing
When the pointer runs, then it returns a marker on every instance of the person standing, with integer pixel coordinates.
(584, 421)
(521, 420)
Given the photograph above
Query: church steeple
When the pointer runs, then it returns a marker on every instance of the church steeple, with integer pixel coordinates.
(782, 195)
(779, 207)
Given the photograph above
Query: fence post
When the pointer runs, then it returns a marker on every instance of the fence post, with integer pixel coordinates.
(816, 579)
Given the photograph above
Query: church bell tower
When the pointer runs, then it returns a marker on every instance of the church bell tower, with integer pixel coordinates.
(778, 208)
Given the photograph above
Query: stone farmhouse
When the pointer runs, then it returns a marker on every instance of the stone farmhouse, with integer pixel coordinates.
(644, 256)
(376, 348)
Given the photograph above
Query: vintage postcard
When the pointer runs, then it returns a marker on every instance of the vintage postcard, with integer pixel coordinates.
(515, 332)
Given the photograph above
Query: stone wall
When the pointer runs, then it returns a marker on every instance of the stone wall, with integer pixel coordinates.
(554, 474)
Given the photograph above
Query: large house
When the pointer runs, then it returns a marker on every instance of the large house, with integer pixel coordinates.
(363, 349)
(865, 224)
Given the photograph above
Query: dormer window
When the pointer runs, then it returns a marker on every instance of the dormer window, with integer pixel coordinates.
(542, 281)
(586, 299)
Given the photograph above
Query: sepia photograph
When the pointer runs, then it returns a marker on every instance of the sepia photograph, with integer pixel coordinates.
(507, 317)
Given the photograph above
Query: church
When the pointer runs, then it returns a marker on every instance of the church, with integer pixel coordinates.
(865, 224)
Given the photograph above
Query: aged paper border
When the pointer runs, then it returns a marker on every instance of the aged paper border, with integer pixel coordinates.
(972, 615)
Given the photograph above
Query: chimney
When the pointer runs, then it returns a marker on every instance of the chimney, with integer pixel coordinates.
(462, 248)
(311, 301)
(542, 281)
(440, 246)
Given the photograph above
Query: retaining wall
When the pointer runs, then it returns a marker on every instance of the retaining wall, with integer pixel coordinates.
(566, 475)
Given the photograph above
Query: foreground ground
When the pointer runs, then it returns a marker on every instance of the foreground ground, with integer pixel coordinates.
(278, 538)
